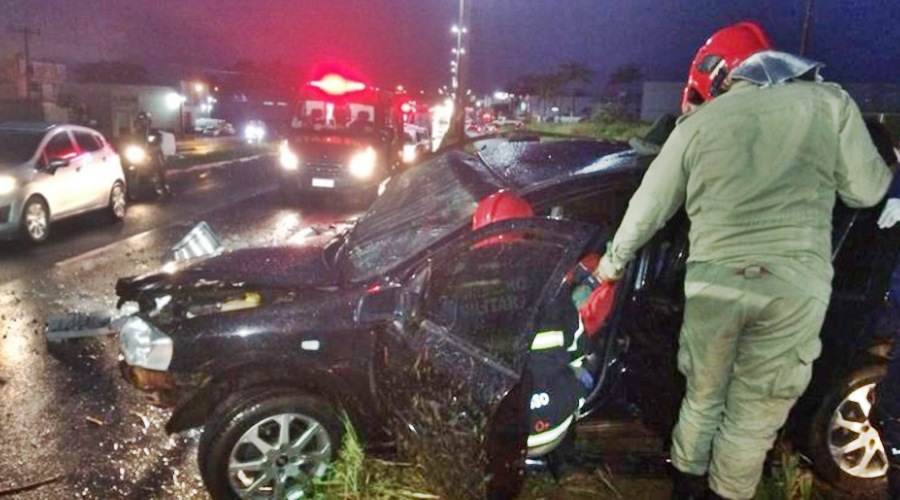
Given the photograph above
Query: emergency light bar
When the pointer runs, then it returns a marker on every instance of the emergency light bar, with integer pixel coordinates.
(335, 84)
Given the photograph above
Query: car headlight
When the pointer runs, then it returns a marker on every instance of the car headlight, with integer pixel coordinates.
(144, 345)
(8, 184)
(135, 154)
(409, 153)
(287, 158)
(363, 164)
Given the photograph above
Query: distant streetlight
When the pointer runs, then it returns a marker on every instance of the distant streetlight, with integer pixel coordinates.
(198, 87)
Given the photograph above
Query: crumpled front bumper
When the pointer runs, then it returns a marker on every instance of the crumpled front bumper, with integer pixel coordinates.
(158, 387)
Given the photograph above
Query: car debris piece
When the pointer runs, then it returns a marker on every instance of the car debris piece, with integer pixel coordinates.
(201, 241)
(94, 421)
(80, 325)
(30, 486)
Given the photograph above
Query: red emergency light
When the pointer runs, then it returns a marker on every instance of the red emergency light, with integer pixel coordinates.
(335, 84)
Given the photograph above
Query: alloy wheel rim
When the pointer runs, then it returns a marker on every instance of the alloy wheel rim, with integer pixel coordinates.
(278, 456)
(36, 221)
(118, 201)
(855, 445)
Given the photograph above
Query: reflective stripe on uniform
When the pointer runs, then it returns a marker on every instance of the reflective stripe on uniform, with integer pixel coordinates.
(548, 340)
(551, 435)
(578, 332)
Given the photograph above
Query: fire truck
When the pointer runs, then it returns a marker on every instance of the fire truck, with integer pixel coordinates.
(344, 136)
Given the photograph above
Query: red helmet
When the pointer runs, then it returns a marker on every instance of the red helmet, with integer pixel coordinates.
(724, 51)
(502, 205)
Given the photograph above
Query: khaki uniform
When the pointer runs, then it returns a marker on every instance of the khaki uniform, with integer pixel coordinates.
(757, 170)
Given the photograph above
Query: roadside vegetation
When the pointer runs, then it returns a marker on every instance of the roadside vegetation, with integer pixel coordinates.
(605, 128)
(357, 476)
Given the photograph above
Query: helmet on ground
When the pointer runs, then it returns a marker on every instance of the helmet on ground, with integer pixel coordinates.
(502, 205)
(725, 50)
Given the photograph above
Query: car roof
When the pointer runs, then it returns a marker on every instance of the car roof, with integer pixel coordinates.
(28, 126)
(531, 166)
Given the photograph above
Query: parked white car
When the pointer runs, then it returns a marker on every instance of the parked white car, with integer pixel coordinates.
(51, 171)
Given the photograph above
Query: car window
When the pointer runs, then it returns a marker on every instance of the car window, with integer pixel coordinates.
(18, 146)
(483, 294)
(60, 146)
(87, 142)
(600, 208)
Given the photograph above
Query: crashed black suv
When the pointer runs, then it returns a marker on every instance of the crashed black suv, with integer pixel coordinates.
(419, 334)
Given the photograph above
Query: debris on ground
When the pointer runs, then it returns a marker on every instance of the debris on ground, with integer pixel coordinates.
(30, 486)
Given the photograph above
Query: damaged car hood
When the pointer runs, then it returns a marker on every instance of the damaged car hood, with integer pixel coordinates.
(269, 267)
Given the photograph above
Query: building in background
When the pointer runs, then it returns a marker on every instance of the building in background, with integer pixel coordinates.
(881, 99)
(112, 108)
(34, 98)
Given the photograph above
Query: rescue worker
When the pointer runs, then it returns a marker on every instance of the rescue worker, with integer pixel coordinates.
(756, 165)
(555, 387)
(555, 383)
(153, 142)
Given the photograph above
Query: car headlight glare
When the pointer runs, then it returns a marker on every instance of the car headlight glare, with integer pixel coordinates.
(287, 158)
(363, 164)
(135, 154)
(409, 153)
(7, 184)
(144, 345)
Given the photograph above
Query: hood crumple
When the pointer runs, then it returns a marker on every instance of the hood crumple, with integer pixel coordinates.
(268, 267)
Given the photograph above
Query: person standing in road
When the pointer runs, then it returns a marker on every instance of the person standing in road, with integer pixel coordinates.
(756, 163)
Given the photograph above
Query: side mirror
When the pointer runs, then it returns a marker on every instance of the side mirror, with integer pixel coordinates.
(56, 163)
(378, 305)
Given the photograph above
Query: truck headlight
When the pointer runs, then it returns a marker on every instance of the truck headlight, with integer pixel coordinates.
(135, 154)
(7, 184)
(363, 164)
(144, 345)
(287, 158)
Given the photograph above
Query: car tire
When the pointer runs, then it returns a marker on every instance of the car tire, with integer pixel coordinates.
(842, 422)
(236, 433)
(35, 222)
(118, 202)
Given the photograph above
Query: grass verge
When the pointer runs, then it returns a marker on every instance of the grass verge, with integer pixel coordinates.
(356, 476)
(610, 130)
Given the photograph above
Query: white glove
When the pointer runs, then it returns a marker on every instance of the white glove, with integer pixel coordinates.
(607, 271)
(890, 215)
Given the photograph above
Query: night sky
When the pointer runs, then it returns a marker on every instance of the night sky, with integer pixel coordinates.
(409, 42)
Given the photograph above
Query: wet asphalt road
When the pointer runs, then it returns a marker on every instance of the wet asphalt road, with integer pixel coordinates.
(66, 416)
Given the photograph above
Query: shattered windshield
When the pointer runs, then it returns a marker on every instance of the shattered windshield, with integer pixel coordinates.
(417, 209)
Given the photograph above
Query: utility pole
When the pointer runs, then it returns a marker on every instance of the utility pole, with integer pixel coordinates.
(26, 34)
(807, 25)
(460, 74)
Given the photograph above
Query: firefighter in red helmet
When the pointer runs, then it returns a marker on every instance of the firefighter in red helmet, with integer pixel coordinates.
(756, 163)
(558, 381)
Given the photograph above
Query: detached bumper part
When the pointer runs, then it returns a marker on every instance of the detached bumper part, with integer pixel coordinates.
(159, 387)
(145, 346)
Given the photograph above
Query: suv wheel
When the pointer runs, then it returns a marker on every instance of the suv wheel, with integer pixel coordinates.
(269, 446)
(847, 450)
(35, 220)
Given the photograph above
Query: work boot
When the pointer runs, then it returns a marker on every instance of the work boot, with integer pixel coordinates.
(689, 486)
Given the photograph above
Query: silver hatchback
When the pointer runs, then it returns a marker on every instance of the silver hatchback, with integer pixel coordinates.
(51, 171)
